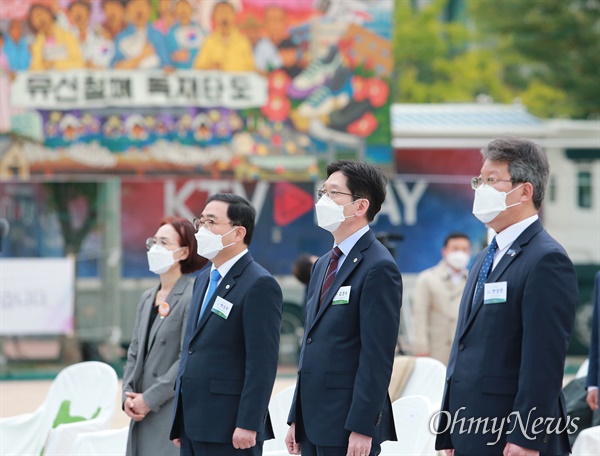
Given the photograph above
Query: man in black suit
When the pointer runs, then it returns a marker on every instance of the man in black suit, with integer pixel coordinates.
(341, 405)
(503, 387)
(231, 344)
(593, 375)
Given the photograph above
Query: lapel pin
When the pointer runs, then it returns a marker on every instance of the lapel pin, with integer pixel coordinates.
(511, 252)
(163, 309)
(227, 287)
(355, 260)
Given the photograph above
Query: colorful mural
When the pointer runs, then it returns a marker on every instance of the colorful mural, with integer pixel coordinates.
(240, 88)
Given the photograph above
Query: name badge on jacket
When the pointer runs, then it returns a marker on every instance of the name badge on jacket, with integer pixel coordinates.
(342, 296)
(222, 307)
(494, 293)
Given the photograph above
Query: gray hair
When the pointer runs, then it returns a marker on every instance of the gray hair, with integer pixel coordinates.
(527, 162)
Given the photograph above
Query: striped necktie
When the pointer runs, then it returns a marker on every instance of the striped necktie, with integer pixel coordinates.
(336, 253)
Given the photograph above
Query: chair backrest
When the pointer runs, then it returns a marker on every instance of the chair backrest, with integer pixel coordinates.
(412, 415)
(82, 391)
(427, 379)
(279, 409)
(583, 369)
(111, 442)
(82, 398)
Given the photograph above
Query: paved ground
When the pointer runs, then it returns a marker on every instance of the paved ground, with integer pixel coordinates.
(17, 397)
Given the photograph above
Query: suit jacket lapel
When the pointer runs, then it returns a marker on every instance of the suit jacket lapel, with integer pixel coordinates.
(172, 299)
(312, 306)
(144, 318)
(513, 252)
(226, 285)
(351, 261)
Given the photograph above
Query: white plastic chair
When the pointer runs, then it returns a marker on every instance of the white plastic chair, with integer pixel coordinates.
(412, 415)
(587, 442)
(82, 398)
(112, 442)
(427, 379)
(583, 369)
(279, 409)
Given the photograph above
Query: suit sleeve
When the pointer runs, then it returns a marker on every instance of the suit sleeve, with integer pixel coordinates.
(132, 351)
(421, 310)
(592, 377)
(162, 389)
(548, 311)
(262, 325)
(380, 302)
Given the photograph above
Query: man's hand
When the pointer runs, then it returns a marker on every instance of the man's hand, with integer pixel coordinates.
(293, 447)
(139, 404)
(592, 398)
(359, 445)
(177, 443)
(129, 411)
(243, 439)
(515, 450)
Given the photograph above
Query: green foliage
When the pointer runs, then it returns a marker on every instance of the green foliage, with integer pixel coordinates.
(546, 52)
(550, 50)
(434, 63)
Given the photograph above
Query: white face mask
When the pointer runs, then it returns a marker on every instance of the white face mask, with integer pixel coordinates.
(330, 215)
(489, 202)
(458, 259)
(209, 243)
(160, 259)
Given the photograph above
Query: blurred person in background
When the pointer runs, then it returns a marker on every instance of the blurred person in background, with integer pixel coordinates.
(437, 298)
(153, 355)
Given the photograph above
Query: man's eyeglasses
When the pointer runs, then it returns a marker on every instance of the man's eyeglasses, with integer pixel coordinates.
(333, 193)
(207, 223)
(477, 182)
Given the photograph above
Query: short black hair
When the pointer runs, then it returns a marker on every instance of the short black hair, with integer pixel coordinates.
(364, 180)
(239, 211)
(455, 235)
(303, 267)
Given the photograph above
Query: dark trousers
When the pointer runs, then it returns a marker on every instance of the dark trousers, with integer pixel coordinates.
(191, 447)
(308, 449)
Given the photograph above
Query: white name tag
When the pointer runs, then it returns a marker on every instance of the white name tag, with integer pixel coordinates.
(342, 296)
(494, 293)
(222, 307)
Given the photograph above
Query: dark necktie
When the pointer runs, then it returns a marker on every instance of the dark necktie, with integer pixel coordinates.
(336, 253)
(212, 286)
(486, 267)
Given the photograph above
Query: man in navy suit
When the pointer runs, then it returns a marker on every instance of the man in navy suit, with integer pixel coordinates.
(503, 387)
(593, 376)
(341, 405)
(231, 344)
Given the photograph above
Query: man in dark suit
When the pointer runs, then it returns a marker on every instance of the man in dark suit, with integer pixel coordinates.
(231, 344)
(341, 405)
(593, 375)
(504, 379)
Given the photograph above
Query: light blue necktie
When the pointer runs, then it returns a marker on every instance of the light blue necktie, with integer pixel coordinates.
(486, 267)
(212, 286)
